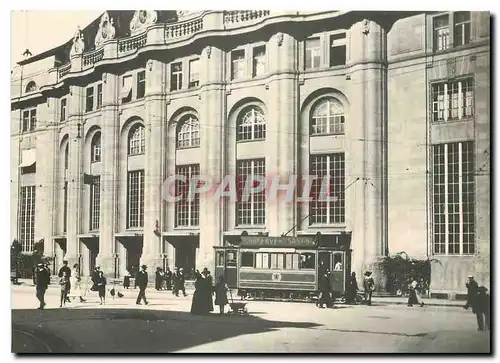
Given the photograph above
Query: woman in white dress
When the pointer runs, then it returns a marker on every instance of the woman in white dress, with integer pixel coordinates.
(75, 281)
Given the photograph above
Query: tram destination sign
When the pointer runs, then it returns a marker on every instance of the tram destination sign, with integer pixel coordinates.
(262, 241)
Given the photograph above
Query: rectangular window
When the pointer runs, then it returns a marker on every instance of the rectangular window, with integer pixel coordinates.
(26, 121)
(187, 209)
(65, 207)
(313, 54)
(194, 73)
(338, 49)
(259, 61)
(99, 96)
(95, 203)
(63, 109)
(135, 205)
(461, 32)
(262, 260)
(328, 196)
(453, 193)
(238, 64)
(176, 76)
(89, 99)
(452, 100)
(247, 259)
(441, 31)
(27, 218)
(126, 92)
(250, 209)
(141, 84)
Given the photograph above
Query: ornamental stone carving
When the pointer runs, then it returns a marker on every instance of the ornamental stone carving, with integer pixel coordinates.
(208, 49)
(78, 46)
(106, 30)
(142, 19)
(279, 39)
(149, 65)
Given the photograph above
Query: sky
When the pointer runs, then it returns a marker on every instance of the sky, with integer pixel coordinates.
(40, 30)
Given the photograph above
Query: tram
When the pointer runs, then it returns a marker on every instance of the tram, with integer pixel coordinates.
(284, 267)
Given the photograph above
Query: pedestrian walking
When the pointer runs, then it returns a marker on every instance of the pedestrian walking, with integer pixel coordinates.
(368, 285)
(351, 289)
(65, 269)
(208, 290)
(412, 293)
(472, 287)
(75, 283)
(141, 281)
(64, 283)
(197, 301)
(168, 278)
(181, 281)
(42, 281)
(158, 279)
(101, 287)
(126, 280)
(324, 290)
(481, 307)
(221, 289)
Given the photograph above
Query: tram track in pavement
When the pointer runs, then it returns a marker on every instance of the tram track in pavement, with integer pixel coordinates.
(27, 339)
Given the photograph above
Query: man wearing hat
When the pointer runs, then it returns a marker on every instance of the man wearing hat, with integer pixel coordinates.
(142, 282)
(62, 270)
(42, 281)
(369, 285)
(471, 291)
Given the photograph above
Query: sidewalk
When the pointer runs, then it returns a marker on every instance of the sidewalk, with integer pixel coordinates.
(390, 300)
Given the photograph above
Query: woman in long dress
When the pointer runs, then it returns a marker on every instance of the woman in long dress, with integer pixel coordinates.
(208, 290)
(197, 302)
(75, 283)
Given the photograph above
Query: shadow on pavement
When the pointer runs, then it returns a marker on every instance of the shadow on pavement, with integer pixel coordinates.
(129, 330)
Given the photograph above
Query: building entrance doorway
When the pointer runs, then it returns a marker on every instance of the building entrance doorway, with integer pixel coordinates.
(133, 255)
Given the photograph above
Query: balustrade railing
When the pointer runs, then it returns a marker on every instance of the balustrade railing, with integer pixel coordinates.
(132, 43)
(183, 29)
(64, 70)
(93, 57)
(240, 16)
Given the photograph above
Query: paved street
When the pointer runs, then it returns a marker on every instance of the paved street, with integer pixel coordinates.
(166, 325)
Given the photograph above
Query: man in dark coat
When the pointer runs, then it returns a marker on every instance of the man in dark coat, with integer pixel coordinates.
(168, 278)
(181, 281)
(481, 307)
(62, 270)
(472, 287)
(368, 285)
(42, 281)
(142, 283)
(324, 290)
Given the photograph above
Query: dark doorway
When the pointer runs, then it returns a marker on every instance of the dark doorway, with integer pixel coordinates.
(134, 253)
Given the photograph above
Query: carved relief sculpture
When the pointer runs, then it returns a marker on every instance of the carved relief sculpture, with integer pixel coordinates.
(142, 19)
(106, 30)
(451, 67)
(209, 51)
(366, 26)
(78, 44)
(279, 39)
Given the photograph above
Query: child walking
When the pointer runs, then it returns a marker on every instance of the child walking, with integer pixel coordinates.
(64, 282)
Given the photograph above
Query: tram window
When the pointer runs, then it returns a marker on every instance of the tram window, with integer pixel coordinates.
(247, 259)
(231, 258)
(219, 259)
(307, 260)
(262, 260)
(281, 261)
(274, 260)
(337, 262)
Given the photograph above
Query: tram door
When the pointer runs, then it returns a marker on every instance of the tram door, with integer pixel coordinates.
(226, 265)
(337, 279)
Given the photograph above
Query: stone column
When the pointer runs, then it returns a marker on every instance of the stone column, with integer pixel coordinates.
(15, 160)
(281, 139)
(75, 177)
(154, 124)
(368, 121)
(212, 119)
(109, 143)
(46, 171)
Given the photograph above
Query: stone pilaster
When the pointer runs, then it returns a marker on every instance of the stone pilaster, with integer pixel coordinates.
(368, 122)
(46, 171)
(15, 160)
(109, 142)
(154, 124)
(282, 123)
(211, 140)
(75, 177)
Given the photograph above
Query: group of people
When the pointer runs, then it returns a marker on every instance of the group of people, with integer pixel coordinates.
(204, 290)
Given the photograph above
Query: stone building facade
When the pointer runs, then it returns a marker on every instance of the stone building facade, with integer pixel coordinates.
(395, 107)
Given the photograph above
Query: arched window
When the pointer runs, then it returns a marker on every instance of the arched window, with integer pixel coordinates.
(136, 140)
(31, 86)
(96, 148)
(188, 132)
(327, 117)
(251, 124)
(66, 156)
